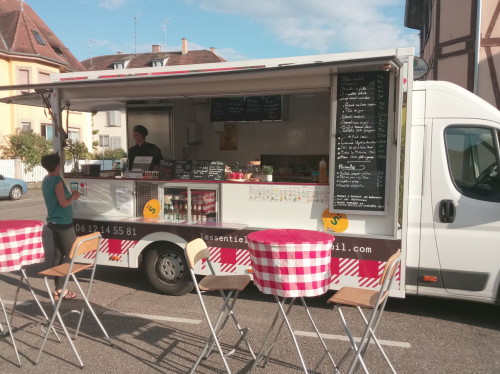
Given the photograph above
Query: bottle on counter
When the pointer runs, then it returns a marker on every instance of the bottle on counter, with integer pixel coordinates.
(176, 212)
(322, 172)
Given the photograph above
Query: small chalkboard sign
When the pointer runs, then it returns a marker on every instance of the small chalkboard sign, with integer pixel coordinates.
(183, 169)
(167, 169)
(361, 142)
(200, 169)
(271, 107)
(244, 109)
(216, 171)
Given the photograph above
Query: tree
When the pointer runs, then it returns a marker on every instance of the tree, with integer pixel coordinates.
(75, 151)
(110, 154)
(26, 145)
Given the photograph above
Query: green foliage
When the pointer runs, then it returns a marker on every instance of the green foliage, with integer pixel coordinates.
(109, 154)
(27, 145)
(75, 150)
(267, 169)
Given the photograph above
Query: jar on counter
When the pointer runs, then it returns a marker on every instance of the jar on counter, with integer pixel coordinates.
(253, 171)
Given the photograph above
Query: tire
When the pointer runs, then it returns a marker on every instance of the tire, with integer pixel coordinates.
(167, 269)
(15, 193)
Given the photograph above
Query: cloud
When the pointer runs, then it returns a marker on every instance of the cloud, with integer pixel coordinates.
(111, 4)
(324, 26)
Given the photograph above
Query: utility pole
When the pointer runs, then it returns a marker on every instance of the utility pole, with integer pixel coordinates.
(164, 27)
(91, 43)
(135, 32)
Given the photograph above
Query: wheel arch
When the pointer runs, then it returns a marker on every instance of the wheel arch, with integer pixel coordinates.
(150, 239)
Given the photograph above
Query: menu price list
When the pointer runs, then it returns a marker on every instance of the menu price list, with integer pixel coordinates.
(361, 141)
(248, 108)
(191, 170)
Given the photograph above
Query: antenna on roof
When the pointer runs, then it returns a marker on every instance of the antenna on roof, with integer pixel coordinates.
(164, 27)
(135, 32)
(91, 43)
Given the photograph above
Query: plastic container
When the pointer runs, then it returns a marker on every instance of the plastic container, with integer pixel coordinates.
(254, 171)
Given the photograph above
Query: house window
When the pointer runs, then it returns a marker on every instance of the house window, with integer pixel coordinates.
(103, 140)
(119, 65)
(156, 63)
(46, 131)
(114, 118)
(57, 50)
(115, 142)
(25, 126)
(73, 134)
(38, 37)
(43, 77)
(23, 77)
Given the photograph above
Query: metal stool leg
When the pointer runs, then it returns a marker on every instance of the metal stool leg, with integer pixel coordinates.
(292, 334)
(25, 278)
(51, 324)
(91, 312)
(243, 331)
(213, 334)
(11, 333)
(327, 352)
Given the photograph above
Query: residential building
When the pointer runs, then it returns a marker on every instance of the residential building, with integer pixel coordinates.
(111, 125)
(460, 41)
(29, 53)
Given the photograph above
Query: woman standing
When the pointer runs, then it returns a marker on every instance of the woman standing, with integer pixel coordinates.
(58, 200)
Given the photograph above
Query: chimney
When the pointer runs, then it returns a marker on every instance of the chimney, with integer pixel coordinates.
(212, 49)
(156, 48)
(184, 46)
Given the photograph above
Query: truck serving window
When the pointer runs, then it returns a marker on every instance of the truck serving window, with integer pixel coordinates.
(473, 161)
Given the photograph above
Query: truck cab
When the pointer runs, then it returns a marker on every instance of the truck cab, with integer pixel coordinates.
(453, 194)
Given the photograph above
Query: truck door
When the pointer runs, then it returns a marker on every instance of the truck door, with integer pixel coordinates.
(465, 188)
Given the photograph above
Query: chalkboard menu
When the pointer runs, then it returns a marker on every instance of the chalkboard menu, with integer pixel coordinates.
(191, 170)
(361, 141)
(216, 171)
(183, 169)
(249, 108)
(167, 169)
(200, 169)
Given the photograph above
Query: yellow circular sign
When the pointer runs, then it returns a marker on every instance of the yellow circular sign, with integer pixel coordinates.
(336, 222)
(152, 209)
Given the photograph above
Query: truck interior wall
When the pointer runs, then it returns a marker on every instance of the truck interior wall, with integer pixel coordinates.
(304, 131)
(157, 120)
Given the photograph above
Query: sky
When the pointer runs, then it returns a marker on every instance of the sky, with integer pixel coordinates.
(238, 29)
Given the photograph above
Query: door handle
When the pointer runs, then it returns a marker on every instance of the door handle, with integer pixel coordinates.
(447, 211)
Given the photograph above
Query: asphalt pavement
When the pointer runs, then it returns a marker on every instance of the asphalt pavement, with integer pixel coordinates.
(154, 333)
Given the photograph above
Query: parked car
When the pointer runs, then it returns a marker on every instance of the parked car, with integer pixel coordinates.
(12, 188)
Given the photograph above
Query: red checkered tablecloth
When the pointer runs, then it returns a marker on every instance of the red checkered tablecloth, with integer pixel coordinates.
(20, 244)
(291, 262)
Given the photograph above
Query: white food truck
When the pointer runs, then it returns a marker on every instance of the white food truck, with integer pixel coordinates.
(411, 165)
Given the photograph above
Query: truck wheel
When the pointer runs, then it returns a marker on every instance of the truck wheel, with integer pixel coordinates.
(15, 193)
(167, 269)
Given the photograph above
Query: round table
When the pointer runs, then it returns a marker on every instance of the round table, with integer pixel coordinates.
(20, 244)
(290, 263)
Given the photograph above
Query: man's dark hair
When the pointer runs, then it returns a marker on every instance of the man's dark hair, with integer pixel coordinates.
(50, 162)
(141, 130)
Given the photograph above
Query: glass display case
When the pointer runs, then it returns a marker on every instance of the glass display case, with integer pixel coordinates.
(190, 203)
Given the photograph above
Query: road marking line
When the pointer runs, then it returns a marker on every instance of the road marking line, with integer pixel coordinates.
(153, 317)
(391, 343)
(11, 302)
(308, 334)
